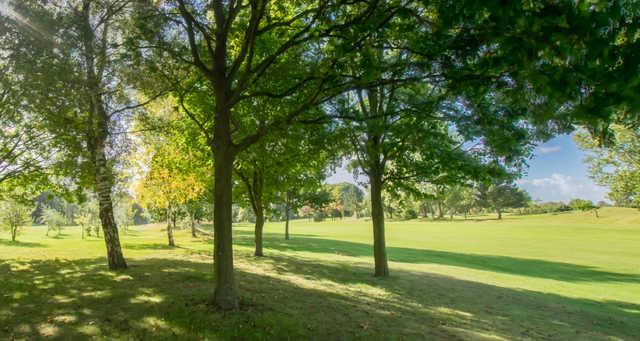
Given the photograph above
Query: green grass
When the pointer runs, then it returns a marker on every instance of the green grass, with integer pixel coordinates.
(547, 277)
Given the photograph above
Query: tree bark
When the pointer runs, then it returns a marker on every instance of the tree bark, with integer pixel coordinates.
(286, 218)
(258, 210)
(109, 227)
(259, 226)
(170, 227)
(225, 296)
(193, 226)
(377, 218)
(499, 214)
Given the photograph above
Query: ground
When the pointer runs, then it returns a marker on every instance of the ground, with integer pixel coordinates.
(547, 277)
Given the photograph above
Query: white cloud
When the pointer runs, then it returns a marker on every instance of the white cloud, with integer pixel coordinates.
(544, 150)
(560, 187)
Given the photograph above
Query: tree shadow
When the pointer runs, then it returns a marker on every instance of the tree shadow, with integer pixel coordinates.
(148, 246)
(501, 264)
(19, 243)
(167, 299)
(60, 235)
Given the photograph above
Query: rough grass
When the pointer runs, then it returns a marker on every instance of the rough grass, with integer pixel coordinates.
(548, 277)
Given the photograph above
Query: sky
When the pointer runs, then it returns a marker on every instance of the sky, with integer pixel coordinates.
(556, 173)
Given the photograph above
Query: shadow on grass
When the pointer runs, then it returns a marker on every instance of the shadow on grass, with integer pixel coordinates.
(502, 264)
(19, 243)
(60, 235)
(149, 246)
(167, 299)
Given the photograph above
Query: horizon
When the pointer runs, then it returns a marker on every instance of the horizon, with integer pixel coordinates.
(556, 173)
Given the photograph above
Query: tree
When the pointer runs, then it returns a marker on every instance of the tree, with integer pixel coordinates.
(616, 164)
(460, 199)
(75, 47)
(53, 219)
(239, 56)
(347, 196)
(124, 212)
(502, 195)
(583, 205)
(13, 216)
(168, 184)
(175, 176)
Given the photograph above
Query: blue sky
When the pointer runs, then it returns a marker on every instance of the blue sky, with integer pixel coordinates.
(556, 173)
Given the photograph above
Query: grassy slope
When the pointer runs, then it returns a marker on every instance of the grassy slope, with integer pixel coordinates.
(566, 276)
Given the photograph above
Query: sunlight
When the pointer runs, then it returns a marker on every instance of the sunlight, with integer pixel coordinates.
(7, 11)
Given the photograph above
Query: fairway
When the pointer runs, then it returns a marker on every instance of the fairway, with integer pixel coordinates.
(547, 277)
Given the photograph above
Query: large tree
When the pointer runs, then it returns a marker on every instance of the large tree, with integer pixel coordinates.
(70, 56)
(230, 57)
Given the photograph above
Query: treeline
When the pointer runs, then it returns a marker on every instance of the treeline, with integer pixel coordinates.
(55, 213)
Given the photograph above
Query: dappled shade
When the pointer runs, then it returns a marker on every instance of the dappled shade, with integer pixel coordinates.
(168, 298)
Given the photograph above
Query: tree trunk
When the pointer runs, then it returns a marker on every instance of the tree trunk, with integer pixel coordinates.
(109, 227)
(225, 296)
(258, 209)
(286, 218)
(596, 212)
(499, 213)
(82, 230)
(172, 243)
(14, 233)
(193, 226)
(377, 217)
(259, 226)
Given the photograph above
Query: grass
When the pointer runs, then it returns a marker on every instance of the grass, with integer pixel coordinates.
(547, 277)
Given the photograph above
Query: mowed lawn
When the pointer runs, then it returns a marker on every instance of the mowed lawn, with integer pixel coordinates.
(547, 277)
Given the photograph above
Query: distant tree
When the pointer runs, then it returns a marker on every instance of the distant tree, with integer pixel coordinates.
(13, 216)
(83, 220)
(168, 185)
(306, 211)
(174, 172)
(584, 205)
(124, 212)
(501, 196)
(196, 210)
(53, 219)
(460, 200)
(318, 200)
(347, 196)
